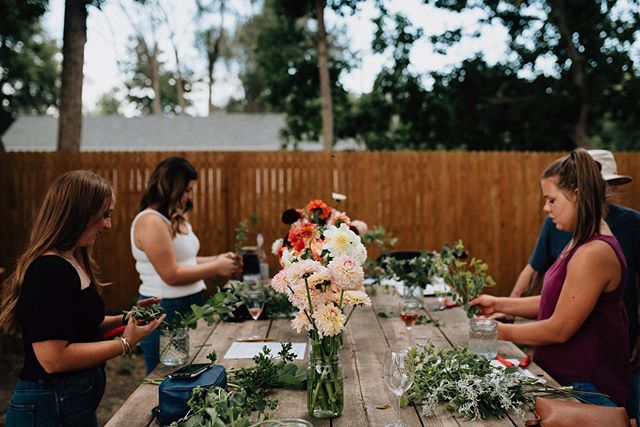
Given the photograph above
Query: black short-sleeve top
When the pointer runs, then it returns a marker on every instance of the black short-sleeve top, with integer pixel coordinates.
(52, 306)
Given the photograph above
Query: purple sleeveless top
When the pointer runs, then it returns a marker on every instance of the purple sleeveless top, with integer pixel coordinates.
(599, 350)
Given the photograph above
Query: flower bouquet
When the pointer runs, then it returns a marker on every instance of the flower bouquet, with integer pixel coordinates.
(323, 278)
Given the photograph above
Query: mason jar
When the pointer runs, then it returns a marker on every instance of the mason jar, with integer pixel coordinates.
(483, 337)
(325, 385)
(174, 346)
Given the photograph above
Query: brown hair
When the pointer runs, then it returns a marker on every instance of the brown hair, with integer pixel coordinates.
(167, 185)
(72, 202)
(579, 171)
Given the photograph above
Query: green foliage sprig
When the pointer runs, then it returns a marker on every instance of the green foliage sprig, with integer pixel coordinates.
(144, 314)
(218, 407)
(259, 380)
(380, 238)
(413, 272)
(222, 304)
(242, 231)
(467, 279)
(249, 390)
(468, 385)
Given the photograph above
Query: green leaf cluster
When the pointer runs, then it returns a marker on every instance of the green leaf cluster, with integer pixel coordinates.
(144, 314)
(217, 407)
(417, 271)
(221, 304)
(260, 379)
(466, 383)
(467, 279)
(249, 390)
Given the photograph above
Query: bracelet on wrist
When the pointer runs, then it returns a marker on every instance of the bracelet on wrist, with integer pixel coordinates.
(126, 348)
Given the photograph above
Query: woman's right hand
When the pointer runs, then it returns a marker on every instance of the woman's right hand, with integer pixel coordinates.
(486, 304)
(134, 332)
(229, 264)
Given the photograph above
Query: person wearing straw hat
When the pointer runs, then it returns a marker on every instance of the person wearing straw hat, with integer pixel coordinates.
(625, 225)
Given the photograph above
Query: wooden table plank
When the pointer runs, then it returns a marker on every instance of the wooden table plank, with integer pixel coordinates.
(398, 336)
(367, 337)
(367, 340)
(292, 403)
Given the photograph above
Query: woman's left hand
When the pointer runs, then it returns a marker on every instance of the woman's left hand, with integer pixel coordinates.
(148, 302)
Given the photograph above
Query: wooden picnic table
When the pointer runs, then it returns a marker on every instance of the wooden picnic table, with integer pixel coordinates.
(367, 339)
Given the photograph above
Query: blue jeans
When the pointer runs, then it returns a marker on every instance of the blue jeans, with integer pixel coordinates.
(633, 406)
(151, 343)
(68, 401)
(595, 399)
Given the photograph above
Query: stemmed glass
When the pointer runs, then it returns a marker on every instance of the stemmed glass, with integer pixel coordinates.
(398, 376)
(409, 312)
(254, 298)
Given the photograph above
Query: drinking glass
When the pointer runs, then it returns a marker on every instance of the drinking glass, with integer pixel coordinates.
(410, 311)
(398, 376)
(254, 299)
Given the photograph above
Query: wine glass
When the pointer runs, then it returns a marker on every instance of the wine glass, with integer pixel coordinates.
(398, 376)
(410, 311)
(254, 298)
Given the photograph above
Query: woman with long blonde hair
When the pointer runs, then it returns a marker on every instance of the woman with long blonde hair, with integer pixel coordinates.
(51, 298)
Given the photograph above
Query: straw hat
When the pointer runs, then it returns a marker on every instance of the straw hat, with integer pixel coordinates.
(608, 167)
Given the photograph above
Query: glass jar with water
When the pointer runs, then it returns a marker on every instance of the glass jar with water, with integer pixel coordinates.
(483, 337)
(174, 346)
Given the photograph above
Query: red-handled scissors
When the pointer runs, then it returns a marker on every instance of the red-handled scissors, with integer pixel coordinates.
(116, 331)
(522, 364)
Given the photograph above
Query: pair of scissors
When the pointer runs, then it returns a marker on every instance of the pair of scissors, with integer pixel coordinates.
(522, 364)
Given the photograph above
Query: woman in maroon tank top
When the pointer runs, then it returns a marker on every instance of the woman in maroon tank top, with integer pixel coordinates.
(580, 337)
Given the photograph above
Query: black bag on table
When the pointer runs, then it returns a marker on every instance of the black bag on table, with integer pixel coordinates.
(174, 393)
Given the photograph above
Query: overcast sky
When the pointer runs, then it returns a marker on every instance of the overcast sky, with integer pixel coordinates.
(109, 30)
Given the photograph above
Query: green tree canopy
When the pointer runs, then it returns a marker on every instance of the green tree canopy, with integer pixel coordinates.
(29, 67)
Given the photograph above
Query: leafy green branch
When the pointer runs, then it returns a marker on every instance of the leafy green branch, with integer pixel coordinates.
(242, 231)
(223, 303)
(467, 279)
(468, 385)
(249, 390)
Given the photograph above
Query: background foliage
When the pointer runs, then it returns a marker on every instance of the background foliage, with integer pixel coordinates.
(570, 74)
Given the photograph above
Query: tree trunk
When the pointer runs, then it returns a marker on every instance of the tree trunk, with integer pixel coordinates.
(153, 72)
(580, 135)
(179, 82)
(74, 39)
(212, 57)
(213, 52)
(325, 86)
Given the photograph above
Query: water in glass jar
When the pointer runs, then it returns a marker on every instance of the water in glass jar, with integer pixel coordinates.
(174, 346)
(483, 337)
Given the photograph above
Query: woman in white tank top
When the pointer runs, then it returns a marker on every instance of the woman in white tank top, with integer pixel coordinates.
(165, 247)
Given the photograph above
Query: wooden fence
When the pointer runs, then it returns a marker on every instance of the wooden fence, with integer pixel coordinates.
(491, 200)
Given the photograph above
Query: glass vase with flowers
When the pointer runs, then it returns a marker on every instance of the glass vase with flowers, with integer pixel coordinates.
(323, 278)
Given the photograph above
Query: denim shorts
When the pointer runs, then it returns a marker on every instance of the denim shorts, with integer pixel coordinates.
(70, 400)
(151, 343)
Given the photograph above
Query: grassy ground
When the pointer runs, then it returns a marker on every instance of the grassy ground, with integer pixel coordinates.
(123, 377)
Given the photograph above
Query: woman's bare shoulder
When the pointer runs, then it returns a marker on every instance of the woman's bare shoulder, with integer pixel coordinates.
(150, 222)
(594, 255)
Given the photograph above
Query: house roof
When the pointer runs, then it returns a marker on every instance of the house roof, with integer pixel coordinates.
(218, 132)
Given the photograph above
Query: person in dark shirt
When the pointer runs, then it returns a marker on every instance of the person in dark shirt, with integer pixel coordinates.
(52, 299)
